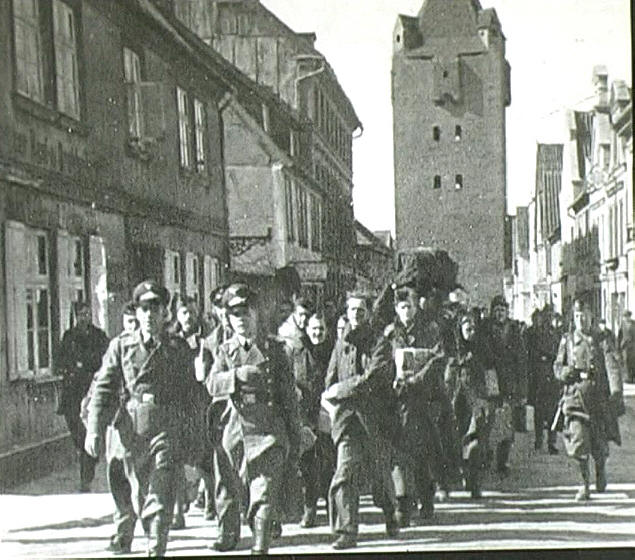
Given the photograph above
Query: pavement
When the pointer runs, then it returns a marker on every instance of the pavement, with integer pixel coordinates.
(533, 508)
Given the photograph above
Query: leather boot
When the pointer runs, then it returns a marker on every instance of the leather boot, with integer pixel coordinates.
(157, 537)
(402, 515)
(262, 531)
(308, 519)
(600, 476)
(584, 492)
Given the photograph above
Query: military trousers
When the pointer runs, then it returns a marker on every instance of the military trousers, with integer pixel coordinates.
(358, 454)
(151, 470)
(124, 517)
(251, 483)
(412, 477)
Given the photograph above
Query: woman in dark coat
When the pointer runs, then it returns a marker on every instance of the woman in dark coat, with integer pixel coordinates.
(465, 382)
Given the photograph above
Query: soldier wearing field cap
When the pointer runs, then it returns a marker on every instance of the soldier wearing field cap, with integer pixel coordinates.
(258, 429)
(149, 374)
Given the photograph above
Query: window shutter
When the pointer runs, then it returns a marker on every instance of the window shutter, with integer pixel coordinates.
(15, 266)
(98, 281)
(64, 252)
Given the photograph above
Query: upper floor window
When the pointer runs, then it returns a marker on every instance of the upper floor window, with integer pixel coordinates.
(436, 133)
(67, 83)
(132, 76)
(458, 133)
(437, 182)
(458, 182)
(192, 119)
(28, 49)
(34, 24)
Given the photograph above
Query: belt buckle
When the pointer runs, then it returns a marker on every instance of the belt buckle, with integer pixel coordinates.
(148, 398)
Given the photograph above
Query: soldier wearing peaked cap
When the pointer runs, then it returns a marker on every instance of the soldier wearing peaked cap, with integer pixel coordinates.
(258, 428)
(149, 374)
(585, 363)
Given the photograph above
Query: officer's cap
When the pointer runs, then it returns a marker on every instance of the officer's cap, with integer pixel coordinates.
(237, 294)
(149, 290)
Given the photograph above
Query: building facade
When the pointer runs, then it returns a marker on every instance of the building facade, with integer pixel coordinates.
(374, 259)
(581, 215)
(450, 88)
(287, 64)
(111, 171)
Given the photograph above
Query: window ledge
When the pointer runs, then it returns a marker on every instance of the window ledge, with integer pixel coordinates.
(49, 115)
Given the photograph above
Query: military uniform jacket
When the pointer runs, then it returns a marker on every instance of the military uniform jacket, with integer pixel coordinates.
(581, 364)
(79, 357)
(542, 348)
(259, 416)
(503, 349)
(361, 369)
(165, 373)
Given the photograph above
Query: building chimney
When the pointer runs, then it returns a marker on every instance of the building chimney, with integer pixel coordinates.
(600, 84)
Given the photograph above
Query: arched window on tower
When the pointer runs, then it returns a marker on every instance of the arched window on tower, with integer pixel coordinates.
(458, 182)
(458, 133)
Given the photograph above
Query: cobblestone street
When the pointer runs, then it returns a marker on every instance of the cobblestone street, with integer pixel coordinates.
(532, 508)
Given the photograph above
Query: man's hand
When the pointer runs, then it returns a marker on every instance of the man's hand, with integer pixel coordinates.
(92, 445)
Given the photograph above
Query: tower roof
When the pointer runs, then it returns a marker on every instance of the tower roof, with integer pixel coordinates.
(449, 18)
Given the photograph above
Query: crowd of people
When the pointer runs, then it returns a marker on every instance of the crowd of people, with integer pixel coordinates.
(408, 405)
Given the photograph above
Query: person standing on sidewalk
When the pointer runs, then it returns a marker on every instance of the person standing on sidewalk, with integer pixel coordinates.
(359, 385)
(257, 435)
(589, 422)
(150, 373)
(79, 357)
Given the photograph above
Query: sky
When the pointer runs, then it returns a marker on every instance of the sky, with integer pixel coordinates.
(552, 47)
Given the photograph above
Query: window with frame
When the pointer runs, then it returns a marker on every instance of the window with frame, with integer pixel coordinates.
(34, 23)
(302, 213)
(28, 285)
(132, 77)
(172, 271)
(437, 182)
(289, 208)
(192, 276)
(316, 223)
(458, 182)
(28, 49)
(192, 119)
(66, 71)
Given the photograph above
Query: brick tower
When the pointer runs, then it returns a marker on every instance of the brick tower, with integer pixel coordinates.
(450, 88)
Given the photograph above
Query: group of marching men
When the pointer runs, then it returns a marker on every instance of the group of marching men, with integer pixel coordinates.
(406, 406)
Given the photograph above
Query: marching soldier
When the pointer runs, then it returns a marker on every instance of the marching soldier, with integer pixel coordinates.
(150, 372)
(124, 517)
(544, 388)
(584, 364)
(79, 357)
(505, 354)
(430, 446)
(359, 385)
(258, 429)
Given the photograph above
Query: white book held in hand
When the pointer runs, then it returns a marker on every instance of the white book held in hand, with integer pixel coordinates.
(411, 360)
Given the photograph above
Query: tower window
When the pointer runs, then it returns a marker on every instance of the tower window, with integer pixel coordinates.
(458, 133)
(458, 182)
(436, 133)
(437, 181)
